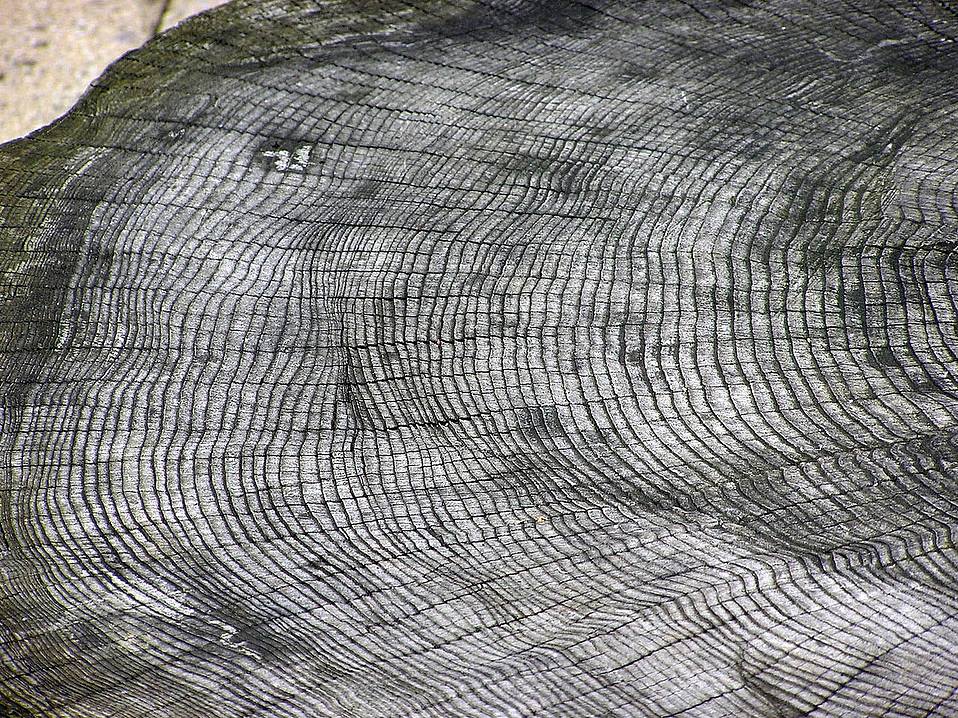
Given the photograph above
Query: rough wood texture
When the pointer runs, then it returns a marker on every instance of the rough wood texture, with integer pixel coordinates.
(489, 359)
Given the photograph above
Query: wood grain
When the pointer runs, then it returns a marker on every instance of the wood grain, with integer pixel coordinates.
(489, 359)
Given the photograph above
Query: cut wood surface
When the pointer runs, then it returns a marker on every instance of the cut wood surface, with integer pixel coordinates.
(454, 358)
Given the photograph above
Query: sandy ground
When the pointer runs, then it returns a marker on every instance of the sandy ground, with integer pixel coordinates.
(50, 50)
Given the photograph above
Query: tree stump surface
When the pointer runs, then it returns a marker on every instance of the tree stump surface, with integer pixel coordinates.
(504, 358)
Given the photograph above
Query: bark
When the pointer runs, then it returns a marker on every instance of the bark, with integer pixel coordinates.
(489, 359)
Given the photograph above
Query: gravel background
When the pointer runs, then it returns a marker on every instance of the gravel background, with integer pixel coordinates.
(50, 50)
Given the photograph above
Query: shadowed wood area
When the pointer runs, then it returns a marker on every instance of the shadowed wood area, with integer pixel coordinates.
(499, 358)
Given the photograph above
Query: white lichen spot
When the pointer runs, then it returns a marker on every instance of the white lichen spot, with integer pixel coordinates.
(285, 161)
(226, 638)
(301, 157)
(281, 161)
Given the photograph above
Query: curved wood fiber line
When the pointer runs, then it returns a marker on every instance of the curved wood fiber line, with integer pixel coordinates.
(489, 359)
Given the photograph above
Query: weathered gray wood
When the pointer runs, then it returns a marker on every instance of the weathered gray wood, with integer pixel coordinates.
(501, 359)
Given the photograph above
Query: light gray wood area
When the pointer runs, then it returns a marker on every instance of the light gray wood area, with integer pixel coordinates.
(505, 358)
